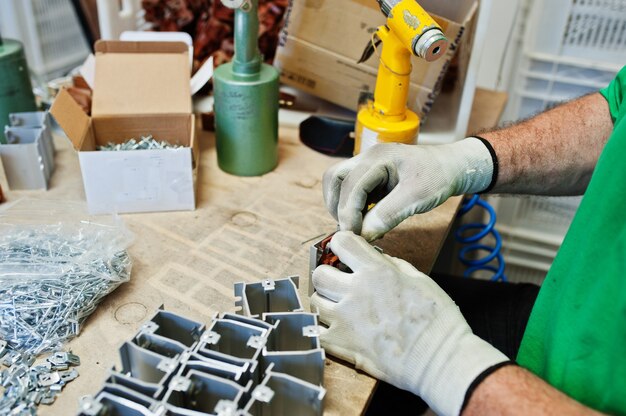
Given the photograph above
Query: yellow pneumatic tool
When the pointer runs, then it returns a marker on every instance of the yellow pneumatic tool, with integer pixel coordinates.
(409, 30)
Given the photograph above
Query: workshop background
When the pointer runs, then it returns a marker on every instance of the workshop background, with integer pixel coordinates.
(536, 52)
(516, 58)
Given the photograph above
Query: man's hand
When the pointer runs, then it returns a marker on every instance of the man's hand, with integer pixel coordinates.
(396, 324)
(415, 178)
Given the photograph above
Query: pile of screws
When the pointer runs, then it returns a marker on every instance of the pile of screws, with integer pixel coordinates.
(56, 265)
(146, 143)
(40, 312)
(26, 385)
(52, 289)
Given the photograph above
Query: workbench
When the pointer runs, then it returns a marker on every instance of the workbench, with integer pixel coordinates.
(243, 230)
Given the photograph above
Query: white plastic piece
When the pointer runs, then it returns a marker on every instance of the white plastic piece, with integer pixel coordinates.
(233, 4)
(115, 17)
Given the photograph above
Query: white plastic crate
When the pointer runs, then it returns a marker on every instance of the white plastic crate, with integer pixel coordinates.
(51, 34)
(534, 218)
(517, 273)
(547, 80)
(570, 48)
(532, 230)
(592, 30)
(525, 260)
(544, 81)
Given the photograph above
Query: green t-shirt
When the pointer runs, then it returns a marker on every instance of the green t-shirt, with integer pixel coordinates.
(576, 335)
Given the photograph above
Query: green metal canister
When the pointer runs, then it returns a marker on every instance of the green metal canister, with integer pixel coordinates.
(16, 92)
(246, 102)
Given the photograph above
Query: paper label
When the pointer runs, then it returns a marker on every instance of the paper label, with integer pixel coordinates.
(368, 139)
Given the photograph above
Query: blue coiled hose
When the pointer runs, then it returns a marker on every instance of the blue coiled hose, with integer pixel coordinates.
(473, 241)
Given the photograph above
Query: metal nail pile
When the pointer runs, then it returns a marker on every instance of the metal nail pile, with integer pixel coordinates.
(26, 385)
(145, 143)
(54, 270)
(53, 286)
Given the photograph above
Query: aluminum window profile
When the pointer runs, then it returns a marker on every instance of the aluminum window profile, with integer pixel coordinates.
(280, 295)
(147, 366)
(110, 405)
(174, 327)
(252, 365)
(33, 135)
(237, 339)
(146, 389)
(247, 320)
(282, 394)
(234, 372)
(220, 357)
(162, 375)
(305, 365)
(30, 119)
(36, 119)
(293, 331)
(26, 162)
(199, 392)
(158, 344)
(127, 393)
(293, 346)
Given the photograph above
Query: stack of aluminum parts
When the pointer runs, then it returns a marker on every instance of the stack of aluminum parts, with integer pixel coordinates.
(28, 156)
(265, 361)
(25, 385)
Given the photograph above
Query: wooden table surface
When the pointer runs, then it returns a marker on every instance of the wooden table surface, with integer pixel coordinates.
(243, 230)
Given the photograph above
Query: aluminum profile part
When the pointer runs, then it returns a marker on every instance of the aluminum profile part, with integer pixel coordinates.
(177, 366)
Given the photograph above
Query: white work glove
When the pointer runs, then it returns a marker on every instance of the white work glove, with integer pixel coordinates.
(416, 178)
(398, 325)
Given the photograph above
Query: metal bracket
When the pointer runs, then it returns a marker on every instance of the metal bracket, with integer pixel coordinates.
(263, 394)
(210, 337)
(311, 331)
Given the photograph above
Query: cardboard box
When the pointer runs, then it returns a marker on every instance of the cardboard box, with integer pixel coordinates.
(322, 40)
(140, 88)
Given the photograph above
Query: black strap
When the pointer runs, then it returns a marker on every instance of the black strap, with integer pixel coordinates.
(494, 159)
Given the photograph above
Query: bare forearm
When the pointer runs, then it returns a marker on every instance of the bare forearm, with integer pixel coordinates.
(514, 391)
(553, 153)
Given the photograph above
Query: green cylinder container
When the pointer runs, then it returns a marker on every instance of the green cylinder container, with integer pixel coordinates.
(246, 103)
(16, 92)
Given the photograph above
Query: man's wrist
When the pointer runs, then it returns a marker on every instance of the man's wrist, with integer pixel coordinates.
(481, 377)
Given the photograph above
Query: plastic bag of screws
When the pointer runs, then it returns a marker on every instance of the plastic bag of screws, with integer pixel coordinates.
(145, 143)
(56, 264)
